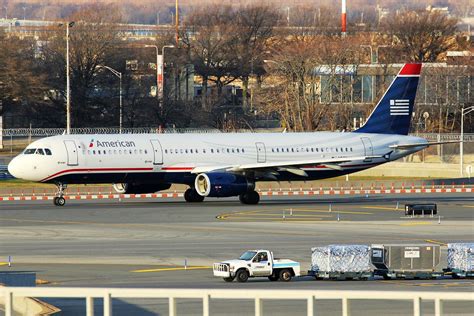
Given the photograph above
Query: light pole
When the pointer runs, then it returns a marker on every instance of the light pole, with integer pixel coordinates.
(119, 75)
(464, 111)
(160, 71)
(68, 81)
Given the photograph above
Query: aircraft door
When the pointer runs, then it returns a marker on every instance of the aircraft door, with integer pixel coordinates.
(157, 152)
(261, 153)
(71, 149)
(368, 148)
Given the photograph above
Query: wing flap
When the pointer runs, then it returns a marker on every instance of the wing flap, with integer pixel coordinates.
(290, 166)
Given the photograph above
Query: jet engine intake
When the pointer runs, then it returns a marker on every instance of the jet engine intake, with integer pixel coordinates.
(220, 184)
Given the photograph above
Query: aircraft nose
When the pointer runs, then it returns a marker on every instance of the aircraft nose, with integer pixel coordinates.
(13, 168)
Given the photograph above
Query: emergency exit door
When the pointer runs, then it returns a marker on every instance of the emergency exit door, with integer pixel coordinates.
(261, 153)
(71, 149)
(157, 152)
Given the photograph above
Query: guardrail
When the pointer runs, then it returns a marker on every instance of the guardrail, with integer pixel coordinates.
(44, 132)
(206, 295)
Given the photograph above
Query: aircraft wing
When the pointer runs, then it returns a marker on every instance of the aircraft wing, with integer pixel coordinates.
(293, 166)
(407, 146)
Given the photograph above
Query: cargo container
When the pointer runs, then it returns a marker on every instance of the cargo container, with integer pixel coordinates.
(341, 262)
(460, 260)
(407, 261)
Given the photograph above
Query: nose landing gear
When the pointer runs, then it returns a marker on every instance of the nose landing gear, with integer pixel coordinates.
(59, 199)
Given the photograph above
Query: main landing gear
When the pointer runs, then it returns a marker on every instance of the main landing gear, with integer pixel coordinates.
(251, 197)
(59, 199)
(191, 196)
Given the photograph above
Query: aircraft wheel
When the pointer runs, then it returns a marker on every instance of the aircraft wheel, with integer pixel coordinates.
(251, 197)
(59, 201)
(190, 195)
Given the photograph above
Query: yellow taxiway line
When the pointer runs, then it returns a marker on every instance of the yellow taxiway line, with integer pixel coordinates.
(417, 224)
(382, 208)
(327, 211)
(171, 269)
(436, 242)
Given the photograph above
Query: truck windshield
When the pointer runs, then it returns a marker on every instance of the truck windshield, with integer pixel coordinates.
(247, 255)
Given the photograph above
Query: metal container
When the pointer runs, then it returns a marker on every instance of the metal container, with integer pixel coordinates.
(397, 257)
(421, 209)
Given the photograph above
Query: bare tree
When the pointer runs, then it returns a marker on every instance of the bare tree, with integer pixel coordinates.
(92, 40)
(302, 71)
(209, 38)
(21, 81)
(422, 36)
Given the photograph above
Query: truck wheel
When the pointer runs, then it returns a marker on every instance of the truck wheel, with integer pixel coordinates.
(273, 278)
(285, 275)
(242, 275)
(229, 279)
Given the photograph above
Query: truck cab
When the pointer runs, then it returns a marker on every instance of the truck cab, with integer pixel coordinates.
(257, 263)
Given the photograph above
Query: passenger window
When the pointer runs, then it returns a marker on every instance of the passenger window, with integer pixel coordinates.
(203, 151)
(242, 150)
(217, 150)
(166, 151)
(120, 151)
(238, 150)
(186, 151)
(212, 151)
(47, 151)
(115, 151)
(146, 152)
(233, 150)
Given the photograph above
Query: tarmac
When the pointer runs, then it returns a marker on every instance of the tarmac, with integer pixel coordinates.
(147, 243)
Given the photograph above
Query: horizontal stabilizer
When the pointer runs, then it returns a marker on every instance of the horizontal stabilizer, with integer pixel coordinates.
(407, 146)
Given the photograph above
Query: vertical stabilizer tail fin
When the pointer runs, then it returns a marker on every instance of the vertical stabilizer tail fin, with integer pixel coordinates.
(393, 113)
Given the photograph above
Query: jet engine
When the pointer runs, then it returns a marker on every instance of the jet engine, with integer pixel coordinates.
(219, 184)
(134, 188)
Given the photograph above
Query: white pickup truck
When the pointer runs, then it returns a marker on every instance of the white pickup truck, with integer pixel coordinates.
(257, 263)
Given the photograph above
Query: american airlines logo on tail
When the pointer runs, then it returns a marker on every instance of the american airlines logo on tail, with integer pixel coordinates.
(399, 107)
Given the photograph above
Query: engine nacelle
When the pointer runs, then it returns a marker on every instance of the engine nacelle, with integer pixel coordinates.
(133, 188)
(220, 184)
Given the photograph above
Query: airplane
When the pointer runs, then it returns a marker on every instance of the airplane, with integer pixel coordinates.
(225, 164)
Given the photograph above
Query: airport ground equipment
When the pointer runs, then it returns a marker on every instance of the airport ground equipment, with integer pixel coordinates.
(341, 262)
(257, 263)
(418, 261)
(460, 260)
(421, 209)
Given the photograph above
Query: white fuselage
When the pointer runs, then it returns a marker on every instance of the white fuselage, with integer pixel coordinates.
(170, 158)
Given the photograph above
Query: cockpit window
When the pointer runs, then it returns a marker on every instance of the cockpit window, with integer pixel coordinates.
(47, 151)
(39, 151)
(30, 151)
